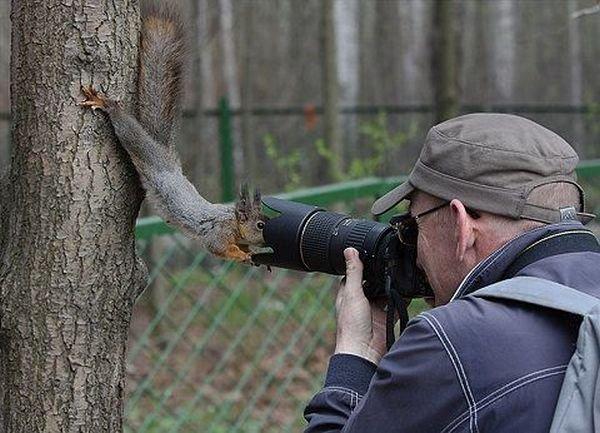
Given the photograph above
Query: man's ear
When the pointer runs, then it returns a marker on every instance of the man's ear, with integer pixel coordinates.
(464, 234)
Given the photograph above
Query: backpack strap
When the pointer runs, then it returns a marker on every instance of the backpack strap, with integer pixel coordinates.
(541, 292)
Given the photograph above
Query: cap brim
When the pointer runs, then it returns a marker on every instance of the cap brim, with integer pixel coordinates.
(392, 198)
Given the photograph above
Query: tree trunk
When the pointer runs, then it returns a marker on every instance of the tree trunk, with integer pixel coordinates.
(246, 94)
(414, 46)
(4, 72)
(347, 48)
(502, 22)
(228, 47)
(331, 95)
(197, 165)
(444, 61)
(367, 25)
(230, 73)
(576, 78)
(69, 274)
(204, 147)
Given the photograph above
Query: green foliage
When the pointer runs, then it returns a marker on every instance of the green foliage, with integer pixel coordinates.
(592, 195)
(195, 422)
(592, 123)
(592, 186)
(288, 165)
(239, 346)
(378, 143)
(417, 306)
(328, 155)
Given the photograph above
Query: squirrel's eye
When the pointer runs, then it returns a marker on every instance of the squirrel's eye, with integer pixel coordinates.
(260, 225)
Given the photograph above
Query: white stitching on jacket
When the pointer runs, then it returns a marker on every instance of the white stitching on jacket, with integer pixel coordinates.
(509, 387)
(462, 369)
(456, 368)
(354, 395)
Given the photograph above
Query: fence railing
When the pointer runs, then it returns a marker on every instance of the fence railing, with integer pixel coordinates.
(533, 108)
(226, 114)
(220, 347)
(340, 192)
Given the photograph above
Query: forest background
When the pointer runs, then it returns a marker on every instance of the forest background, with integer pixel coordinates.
(270, 58)
(320, 92)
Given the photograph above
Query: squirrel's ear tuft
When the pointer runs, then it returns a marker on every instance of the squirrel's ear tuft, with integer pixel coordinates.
(244, 193)
(257, 198)
(243, 205)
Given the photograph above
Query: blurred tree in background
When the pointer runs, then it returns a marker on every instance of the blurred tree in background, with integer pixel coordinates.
(308, 72)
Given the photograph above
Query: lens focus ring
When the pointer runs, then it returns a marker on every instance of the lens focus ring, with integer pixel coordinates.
(315, 238)
(356, 237)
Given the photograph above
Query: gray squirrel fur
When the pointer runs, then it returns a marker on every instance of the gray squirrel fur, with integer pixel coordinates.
(228, 231)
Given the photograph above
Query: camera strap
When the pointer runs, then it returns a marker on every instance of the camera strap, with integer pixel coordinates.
(571, 241)
(395, 304)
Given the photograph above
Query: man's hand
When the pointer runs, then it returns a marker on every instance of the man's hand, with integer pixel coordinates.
(360, 324)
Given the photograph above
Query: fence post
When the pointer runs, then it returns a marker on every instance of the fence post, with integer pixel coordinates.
(226, 152)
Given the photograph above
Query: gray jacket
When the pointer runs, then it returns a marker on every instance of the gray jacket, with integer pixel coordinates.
(475, 364)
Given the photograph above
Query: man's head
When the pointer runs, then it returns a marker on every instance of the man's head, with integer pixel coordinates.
(455, 238)
(500, 176)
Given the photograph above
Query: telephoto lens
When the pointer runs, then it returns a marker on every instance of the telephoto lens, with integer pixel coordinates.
(309, 238)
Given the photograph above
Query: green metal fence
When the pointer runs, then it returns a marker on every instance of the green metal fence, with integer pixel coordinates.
(221, 347)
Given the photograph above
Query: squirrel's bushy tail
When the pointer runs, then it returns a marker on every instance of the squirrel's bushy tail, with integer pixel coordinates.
(162, 55)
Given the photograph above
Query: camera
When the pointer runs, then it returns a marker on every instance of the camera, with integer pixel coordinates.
(312, 239)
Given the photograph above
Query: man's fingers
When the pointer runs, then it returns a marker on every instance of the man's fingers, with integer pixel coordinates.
(354, 269)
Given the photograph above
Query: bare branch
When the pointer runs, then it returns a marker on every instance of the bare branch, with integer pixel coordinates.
(587, 11)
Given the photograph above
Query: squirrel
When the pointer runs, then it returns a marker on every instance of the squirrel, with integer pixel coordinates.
(227, 231)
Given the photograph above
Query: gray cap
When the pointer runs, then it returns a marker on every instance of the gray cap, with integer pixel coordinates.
(491, 162)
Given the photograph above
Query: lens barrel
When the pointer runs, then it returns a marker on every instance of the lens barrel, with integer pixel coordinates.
(327, 234)
(309, 238)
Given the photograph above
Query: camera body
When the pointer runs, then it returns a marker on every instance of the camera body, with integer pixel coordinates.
(309, 238)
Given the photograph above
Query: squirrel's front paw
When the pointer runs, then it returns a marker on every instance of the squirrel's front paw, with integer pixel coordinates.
(92, 99)
(233, 252)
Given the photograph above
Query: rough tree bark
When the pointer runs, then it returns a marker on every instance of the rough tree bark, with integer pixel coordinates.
(69, 275)
(4, 72)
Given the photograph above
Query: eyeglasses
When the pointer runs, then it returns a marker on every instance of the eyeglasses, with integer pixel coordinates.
(407, 226)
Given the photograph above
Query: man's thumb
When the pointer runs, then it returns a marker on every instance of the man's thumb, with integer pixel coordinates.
(354, 268)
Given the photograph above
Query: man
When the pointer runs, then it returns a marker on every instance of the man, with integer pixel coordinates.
(493, 196)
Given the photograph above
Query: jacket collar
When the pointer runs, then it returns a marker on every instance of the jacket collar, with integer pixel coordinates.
(491, 269)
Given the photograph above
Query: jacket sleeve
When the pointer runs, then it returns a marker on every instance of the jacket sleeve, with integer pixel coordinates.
(414, 389)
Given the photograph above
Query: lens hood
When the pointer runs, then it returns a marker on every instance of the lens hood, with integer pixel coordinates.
(282, 233)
